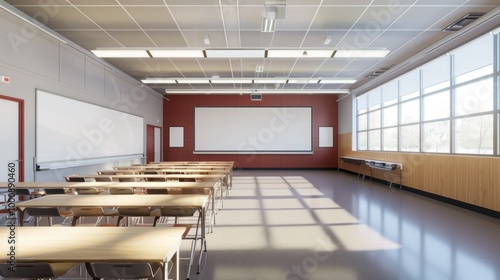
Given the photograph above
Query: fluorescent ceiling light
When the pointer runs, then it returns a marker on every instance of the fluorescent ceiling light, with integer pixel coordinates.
(193, 81)
(299, 53)
(158, 81)
(298, 81)
(235, 53)
(337, 81)
(120, 53)
(176, 53)
(261, 91)
(268, 24)
(361, 53)
(231, 81)
(269, 81)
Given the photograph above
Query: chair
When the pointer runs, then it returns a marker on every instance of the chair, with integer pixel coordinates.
(123, 270)
(36, 270)
(92, 212)
(75, 179)
(24, 192)
(48, 212)
(137, 212)
(55, 191)
(157, 191)
(84, 191)
(179, 212)
(121, 190)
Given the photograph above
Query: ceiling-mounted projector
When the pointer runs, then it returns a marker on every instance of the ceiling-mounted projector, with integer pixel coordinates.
(255, 96)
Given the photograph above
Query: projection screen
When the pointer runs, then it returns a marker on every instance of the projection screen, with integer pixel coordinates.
(245, 130)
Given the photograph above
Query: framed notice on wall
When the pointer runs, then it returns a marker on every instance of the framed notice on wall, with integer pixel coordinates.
(325, 136)
(176, 137)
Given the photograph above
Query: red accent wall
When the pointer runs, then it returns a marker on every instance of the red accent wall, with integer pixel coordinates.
(179, 111)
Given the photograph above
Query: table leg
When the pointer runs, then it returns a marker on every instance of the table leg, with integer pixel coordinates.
(203, 246)
(174, 273)
(21, 216)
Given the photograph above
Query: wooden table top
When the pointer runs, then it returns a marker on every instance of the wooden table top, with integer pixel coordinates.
(92, 244)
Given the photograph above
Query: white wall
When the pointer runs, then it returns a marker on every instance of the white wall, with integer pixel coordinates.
(345, 114)
(34, 60)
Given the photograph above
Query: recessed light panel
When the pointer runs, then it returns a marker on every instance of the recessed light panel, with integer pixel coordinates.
(235, 53)
(361, 53)
(120, 53)
(176, 53)
(158, 81)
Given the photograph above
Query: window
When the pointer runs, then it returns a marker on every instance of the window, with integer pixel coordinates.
(410, 111)
(436, 106)
(449, 105)
(390, 139)
(474, 135)
(410, 135)
(390, 116)
(436, 137)
(475, 97)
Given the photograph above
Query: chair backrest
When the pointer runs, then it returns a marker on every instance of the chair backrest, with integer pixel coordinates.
(157, 191)
(23, 192)
(153, 179)
(121, 190)
(174, 211)
(132, 179)
(133, 211)
(125, 270)
(205, 191)
(75, 179)
(103, 179)
(55, 191)
(88, 191)
(27, 270)
(43, 212)
(87, 211)
(187, 179)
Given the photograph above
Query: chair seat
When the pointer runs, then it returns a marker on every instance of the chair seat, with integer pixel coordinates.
(36, 270)
(124, 270)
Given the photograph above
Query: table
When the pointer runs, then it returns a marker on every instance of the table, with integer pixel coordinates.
(95, 244)
(136, 185)
(145, 177)
(199, 201)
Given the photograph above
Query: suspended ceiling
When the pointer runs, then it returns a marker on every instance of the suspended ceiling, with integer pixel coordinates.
(403, 28)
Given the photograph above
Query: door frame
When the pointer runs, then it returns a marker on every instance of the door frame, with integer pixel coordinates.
(148, 128)
(20, 103)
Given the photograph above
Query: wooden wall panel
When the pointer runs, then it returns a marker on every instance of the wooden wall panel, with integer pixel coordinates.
(470, 179)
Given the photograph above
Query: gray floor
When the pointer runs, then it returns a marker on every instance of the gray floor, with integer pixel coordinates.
(292, 224)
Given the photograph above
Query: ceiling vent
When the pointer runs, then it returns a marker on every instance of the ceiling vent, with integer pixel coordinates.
(463, 21)
(377, 73)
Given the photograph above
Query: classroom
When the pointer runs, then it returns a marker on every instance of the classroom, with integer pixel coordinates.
(250, 139)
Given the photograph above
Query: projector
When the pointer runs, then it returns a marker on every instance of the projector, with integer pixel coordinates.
(256, 97)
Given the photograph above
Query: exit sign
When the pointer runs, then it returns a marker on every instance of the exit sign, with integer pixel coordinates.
(5, 79)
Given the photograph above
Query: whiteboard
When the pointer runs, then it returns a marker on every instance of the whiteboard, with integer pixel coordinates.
(247, 130)
(74, 133)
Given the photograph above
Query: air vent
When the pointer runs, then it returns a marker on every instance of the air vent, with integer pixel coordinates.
(463, 21)
(377, 73)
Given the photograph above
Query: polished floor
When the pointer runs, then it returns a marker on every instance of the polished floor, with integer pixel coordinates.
(322, 225)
